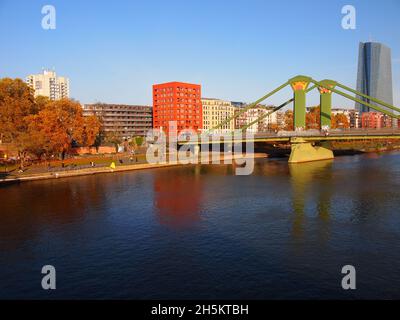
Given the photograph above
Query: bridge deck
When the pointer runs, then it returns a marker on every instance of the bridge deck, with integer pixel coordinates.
(279, 137)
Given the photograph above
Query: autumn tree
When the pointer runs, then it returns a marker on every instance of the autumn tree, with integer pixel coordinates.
(112, 136)
(91, 130)
(339, 120)
(41, 102)
(59, 125)
(41, 126)
(313, 118)
(288, 120)
(273, 127)
(16, 105)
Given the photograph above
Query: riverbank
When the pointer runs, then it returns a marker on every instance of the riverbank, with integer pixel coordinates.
(41, 173)
(98, 170)
(364, 146)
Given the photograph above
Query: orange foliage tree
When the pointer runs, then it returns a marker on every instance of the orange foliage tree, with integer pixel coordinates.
(41, 126)
(339, 120)
(288, 120)
(16, 104)
(60, 125)
(313, 118)
(92, 128)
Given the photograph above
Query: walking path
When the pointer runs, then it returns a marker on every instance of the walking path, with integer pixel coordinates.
(62, 173)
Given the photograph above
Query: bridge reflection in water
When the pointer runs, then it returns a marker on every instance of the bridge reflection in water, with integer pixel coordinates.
(310, 178)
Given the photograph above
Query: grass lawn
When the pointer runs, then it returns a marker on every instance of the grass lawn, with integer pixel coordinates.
(71, 163)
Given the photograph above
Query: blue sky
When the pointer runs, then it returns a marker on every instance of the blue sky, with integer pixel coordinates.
(113, 51)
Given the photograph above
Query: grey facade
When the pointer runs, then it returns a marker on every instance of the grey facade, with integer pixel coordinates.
(125, 121)
(374, 77)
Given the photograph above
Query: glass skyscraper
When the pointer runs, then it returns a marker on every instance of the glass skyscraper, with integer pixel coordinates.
(374, 77)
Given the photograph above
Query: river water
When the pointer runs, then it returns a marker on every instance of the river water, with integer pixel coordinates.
(195, 232)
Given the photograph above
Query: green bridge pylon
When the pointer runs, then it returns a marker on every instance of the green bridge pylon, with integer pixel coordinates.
(301, 86)
(324, 84)
(326, 103)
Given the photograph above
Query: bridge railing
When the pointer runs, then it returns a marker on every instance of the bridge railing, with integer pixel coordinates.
(338, 131)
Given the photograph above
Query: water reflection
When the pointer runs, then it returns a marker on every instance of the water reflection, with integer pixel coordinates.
(30, 208)
(152, 233)
(271, 168)
(217, 169)
(178, 196)
(311, 182)
(373, 186)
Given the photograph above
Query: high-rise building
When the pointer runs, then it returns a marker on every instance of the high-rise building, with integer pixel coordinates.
(124, 121)
(215, 111)
(374, 77)
(49, 85)
(180, 102)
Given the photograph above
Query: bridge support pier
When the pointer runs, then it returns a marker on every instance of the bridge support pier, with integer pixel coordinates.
(304, 151)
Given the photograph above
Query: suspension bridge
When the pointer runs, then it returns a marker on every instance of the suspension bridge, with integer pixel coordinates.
(301, 140)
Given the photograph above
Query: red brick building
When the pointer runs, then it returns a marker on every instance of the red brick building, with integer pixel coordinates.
(180, 102)
(375, 120)
(371, 120)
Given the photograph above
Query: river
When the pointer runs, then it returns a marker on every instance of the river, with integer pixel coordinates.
(200, 232)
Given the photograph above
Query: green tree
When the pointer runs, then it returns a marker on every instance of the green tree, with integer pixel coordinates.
(113, 138)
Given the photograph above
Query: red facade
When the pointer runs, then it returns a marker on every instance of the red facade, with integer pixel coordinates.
(180, 102)
(375, 120)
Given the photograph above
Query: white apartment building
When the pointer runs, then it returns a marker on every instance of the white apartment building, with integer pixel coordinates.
(215, 111)
(253, 115)
(268, 120)
(49, 85)
(352, 115)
